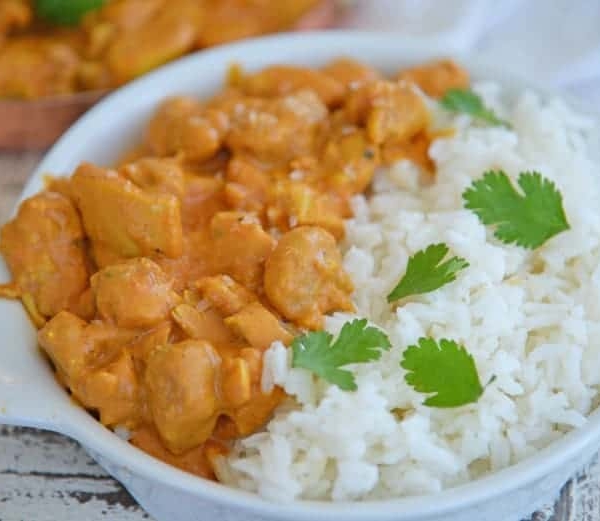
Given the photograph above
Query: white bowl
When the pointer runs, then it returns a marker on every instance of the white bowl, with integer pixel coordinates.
(30, 396)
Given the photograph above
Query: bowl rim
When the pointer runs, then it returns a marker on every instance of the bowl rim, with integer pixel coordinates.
(103, 441)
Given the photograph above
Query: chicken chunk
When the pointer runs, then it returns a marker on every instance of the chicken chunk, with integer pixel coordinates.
(236, 385)
(206, 324)
(181, 380)
(32, 67)
(91, 361)
(122, 219)
(280, 80)
(169, 114)
(112, 391)
(234, 19)
(14, 14)
(44, 248)
(204, 197)
(297, 204)
(135, 294)
(277, 130)
(166, 35)
(246, 408)
(128, 14)
(160, 175)
(390, 111)
(247, 185)
(60, 185)
(240, 246)
(197, 260)
(142, 345)
(349, 161)
(200, 136)
(181, 125)
(350, 73)
(258, 326)
(304, 278)
(416, 149)
(257, 411)
(224, 294)
(399, 120)
(76, 347)
(436, 77)
(68, 344)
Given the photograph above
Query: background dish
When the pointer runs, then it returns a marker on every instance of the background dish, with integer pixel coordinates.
(36, 124)
(166, 492)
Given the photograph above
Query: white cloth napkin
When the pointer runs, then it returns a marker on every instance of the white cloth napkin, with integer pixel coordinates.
(554, 42)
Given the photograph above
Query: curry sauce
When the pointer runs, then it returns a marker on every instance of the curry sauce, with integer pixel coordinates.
(158, 284)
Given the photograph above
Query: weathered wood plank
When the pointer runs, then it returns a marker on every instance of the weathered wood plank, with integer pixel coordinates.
(27, 450)
(586, 504)
(51, 498)
(45, 476)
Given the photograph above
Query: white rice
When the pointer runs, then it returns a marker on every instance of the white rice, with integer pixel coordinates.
(532, 319)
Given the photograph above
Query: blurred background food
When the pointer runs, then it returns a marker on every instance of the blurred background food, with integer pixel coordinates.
(58, 57)
(54, 47)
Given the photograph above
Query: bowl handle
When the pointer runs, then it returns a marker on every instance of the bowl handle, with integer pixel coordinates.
(29, 394)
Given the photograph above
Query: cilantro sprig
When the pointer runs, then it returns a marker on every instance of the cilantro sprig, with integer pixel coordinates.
(65, 12)
(528, 219)
(426, 272)
(356, 343)
(468, 102)
(444, 368)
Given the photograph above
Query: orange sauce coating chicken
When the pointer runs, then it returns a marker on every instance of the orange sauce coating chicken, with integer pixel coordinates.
(158, 284)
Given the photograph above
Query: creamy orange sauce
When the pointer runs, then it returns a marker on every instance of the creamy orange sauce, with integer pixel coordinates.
(158, 284)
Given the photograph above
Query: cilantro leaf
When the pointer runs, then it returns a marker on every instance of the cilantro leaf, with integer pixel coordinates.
(356, 343)
(65, 12)
(527, 219)
(445, 369)
(424, 273)
(467, 101)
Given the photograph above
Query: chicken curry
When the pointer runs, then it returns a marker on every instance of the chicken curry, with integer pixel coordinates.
(117, 40)
(158, 284)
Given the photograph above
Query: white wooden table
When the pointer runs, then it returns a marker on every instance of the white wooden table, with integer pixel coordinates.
(47, 477)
